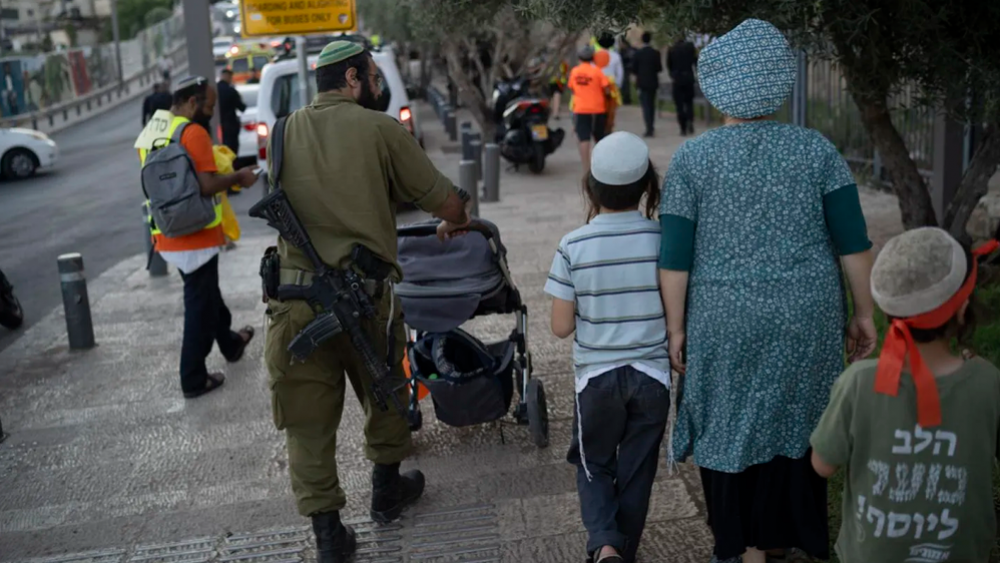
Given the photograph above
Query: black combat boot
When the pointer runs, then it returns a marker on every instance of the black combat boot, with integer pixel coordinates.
(392, 492)
(335, 542)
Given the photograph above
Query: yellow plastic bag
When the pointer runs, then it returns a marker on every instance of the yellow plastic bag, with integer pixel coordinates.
(224, 158)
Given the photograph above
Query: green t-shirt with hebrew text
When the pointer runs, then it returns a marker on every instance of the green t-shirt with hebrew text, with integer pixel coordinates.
(914, 494)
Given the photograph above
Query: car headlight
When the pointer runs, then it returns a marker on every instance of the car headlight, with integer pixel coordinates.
(39, 135)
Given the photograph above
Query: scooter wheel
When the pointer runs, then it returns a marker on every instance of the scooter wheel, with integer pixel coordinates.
(11, 314)
(537, 162)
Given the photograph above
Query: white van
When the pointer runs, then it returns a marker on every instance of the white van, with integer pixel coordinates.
(279, 96)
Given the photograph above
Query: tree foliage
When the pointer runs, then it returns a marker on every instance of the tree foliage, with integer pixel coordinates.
(132, 15)
(481, 41)
(946, 48)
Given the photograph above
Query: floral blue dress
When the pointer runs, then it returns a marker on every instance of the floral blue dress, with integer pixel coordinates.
(766, 309)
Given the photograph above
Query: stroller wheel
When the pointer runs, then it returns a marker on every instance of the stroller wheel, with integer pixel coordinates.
(416, 419)
(538, 414)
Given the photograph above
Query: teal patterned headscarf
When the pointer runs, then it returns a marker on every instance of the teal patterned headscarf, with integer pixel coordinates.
(748, 72)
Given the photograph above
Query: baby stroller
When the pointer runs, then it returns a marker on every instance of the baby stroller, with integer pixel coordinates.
(445, 285)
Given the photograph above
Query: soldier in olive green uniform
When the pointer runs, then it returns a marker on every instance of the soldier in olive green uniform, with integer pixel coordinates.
(345, 168)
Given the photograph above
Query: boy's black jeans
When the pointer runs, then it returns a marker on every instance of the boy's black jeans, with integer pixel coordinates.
(624, 415)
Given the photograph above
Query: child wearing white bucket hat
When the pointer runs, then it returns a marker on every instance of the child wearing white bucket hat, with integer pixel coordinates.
(917, 431)
(605, 289)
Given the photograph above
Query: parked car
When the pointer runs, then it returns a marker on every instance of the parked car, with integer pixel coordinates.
(247, 155)
(279, 96)
(221, 46)
(25, 151)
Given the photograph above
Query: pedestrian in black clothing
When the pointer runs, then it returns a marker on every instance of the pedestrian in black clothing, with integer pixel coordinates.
(230, 102)
(627, 52)
(681, 60)
(159, 99)
(647, 78)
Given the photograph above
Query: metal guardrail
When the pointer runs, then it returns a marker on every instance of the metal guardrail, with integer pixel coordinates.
(60, 116)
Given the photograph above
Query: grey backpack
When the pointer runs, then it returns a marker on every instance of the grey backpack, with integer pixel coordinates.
(171, 186)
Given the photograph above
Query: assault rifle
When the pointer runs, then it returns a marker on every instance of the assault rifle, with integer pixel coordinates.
(338, 296)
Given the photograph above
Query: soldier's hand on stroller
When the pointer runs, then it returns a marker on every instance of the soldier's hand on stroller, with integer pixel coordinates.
(447, 230)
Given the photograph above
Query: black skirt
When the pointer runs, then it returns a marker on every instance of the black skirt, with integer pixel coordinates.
(775, 505)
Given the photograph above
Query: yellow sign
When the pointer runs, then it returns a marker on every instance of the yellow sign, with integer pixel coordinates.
(262, 18)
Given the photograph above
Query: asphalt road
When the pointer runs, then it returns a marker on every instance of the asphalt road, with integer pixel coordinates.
(89, 203)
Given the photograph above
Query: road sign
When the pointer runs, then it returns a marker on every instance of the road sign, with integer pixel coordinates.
(262, 18)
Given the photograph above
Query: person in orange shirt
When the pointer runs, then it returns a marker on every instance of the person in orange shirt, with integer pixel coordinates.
(207, 320)
(590, 90)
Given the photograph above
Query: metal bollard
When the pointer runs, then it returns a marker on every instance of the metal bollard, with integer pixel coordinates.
(157, 267)
(467, 181)
(445, 110)
(466, 144)
(476, 148)
(491, 173)
(76, 303)
(449, 126)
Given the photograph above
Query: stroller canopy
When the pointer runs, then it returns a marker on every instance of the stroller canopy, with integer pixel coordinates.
(443, 282)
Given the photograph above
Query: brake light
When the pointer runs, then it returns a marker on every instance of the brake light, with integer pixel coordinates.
(234, 49)
(262, 133)
(405, 114)
(252, 126)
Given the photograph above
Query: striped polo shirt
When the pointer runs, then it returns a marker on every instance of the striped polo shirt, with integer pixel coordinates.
(608, 268)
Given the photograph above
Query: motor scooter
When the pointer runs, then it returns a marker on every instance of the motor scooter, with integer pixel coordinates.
(522, 121)
(11, 315)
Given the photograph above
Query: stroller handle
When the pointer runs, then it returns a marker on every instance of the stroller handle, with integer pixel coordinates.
(430, 229)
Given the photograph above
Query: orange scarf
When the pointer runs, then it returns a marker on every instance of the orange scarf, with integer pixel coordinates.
(899, 343)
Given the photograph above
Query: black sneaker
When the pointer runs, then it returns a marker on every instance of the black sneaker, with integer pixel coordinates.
(335, 542)
(392, 492)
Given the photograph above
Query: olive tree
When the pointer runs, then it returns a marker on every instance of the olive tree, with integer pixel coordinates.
(483, 41)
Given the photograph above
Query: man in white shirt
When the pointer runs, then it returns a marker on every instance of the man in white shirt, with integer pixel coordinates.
(615, 68)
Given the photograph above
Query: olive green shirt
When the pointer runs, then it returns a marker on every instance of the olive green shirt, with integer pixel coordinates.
(345, 168)
(911, 493)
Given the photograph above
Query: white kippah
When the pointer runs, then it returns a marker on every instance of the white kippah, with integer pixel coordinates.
(619, 159)
(917, 272)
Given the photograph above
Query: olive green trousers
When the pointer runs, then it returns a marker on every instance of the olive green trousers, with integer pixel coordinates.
(308, 400)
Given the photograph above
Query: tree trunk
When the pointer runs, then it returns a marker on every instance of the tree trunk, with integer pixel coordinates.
(907, 183)
(974, 185)
(425, 69)
(479, 106)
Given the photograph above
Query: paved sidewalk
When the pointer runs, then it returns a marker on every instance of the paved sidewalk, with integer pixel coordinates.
(106, 463)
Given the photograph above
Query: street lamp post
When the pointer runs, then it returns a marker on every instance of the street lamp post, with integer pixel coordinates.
(117, 37)
(198, 29)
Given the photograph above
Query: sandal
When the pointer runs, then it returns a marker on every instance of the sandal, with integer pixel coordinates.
(612, 557)
(212, 382)
(246, 335)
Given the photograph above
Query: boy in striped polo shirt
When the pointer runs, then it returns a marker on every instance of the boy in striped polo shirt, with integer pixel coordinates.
(604, 282)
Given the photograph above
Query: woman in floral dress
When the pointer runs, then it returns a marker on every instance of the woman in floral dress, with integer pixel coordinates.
(761, 221)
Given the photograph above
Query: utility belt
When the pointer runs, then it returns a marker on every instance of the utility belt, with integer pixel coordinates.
(374, 288)
(375, 273)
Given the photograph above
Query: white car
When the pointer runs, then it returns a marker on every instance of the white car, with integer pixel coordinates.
(221, 46)
(248, 122)
(25, 151)
(279, 96)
